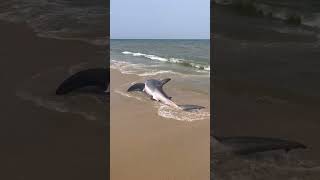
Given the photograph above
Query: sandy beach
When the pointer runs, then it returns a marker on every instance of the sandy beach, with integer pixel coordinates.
(145, 145)
(38, 141)
(265, 86)
(269, 86)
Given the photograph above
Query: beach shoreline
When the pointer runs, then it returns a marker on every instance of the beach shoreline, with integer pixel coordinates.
(265, 86)
(145, 145)
(40, 143)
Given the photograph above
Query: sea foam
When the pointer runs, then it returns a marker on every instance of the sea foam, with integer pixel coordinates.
(184, 62)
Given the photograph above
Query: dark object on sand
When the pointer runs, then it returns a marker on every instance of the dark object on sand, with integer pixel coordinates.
(97, 78)
(243, 145)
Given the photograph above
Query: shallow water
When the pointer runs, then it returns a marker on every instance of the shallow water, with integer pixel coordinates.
(183, 59)
(166, 112)
(275, 16)
(39, 89)
(185, 56)
(62, 19)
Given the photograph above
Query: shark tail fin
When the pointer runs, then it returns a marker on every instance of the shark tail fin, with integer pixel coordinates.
(136, 87)
(249, 145)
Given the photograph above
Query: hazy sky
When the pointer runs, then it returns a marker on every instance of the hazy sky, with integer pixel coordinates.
(160, 19)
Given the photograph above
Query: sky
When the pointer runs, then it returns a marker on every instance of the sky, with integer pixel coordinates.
(160, 19)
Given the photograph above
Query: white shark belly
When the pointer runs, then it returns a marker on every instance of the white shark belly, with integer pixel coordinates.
(150, 92)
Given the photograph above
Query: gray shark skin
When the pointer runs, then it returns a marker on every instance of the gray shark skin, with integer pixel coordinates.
(98, 78)
(244, 145)
(153, 88)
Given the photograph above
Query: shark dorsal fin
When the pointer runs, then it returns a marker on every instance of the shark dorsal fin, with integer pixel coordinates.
(164, 81)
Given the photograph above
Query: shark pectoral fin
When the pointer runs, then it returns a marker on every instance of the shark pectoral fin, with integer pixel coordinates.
(136, 87)
(164, 81)
(189, 107)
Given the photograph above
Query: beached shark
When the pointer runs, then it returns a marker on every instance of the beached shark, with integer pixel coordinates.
(239, 145)
(95, 80)
(243, 145)
(153, 88)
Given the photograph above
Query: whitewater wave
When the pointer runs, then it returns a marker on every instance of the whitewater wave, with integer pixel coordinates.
(307, 12)
(183, 62)
(128, 68)
(60, 19)
(168, 112)
(143, 70)
(163, 110)
(55, 105)
(39, 89)
(177, 114)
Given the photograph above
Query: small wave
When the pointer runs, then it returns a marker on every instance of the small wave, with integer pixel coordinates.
(153, 73)
(177, 114)
(91, 107)
(122, 93)
(59, 19)
(313, 21)
(56, 106)
(292, 12)
(165, 111)
(183, 62)
(127, 68)
(146, 70)
(53, 105)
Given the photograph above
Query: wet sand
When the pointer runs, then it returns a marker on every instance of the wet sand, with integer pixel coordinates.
(268, 81)
(39, 143)
(266, 85)
(145, 145)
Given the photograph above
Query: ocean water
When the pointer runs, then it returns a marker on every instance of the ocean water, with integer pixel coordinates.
(62, 19)
(183, 58)
(186, 62)
(39, 90)
(307, 11)
(82, 20)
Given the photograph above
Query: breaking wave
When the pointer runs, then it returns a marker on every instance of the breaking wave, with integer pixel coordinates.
(148, 70)
(292, 11)
(184, 62)
(60, 19)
